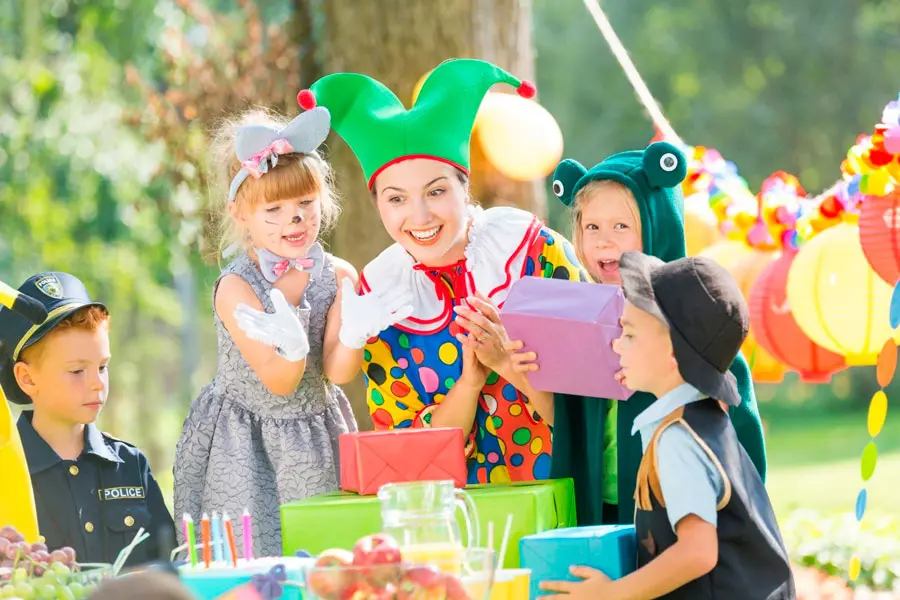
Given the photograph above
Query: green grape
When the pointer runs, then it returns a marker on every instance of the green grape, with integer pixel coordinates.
(7, 591)
(19, 575)
(24, 590)
(60, 569)
(64, 593)
(49, 576)
(77, 590)
(46, 591)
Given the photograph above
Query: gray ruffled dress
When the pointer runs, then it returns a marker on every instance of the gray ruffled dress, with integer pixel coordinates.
(243, 447)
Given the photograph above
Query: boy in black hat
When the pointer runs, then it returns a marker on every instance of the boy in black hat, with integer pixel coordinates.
(92, 492)
(704, 523)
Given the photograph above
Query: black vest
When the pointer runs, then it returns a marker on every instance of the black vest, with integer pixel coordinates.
(753, 563)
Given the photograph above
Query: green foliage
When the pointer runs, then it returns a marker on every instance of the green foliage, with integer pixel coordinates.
(828, 544)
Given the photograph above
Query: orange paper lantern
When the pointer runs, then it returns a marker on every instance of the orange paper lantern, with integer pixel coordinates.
(879, 234)
(777, 331)
(745, 264)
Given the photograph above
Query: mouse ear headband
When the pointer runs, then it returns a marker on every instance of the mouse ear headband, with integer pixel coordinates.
(259, 146)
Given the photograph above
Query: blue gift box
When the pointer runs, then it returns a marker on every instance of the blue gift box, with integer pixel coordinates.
(608, 548)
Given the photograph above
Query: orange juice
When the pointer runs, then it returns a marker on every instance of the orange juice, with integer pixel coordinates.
(446, 556)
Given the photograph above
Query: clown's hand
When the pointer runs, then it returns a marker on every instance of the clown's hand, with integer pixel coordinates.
(281, 329)
(363, 317)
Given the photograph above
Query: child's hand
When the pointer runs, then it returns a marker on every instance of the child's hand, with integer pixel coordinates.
(522, 362)
(281, 329)
(595, 586)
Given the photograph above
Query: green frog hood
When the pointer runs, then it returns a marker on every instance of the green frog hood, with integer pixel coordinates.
(654, 176)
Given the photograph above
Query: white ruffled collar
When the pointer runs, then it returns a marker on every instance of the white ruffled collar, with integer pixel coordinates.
(499, 239)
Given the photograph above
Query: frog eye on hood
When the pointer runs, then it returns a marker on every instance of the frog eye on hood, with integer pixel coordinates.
(565, 180)
(664, 165)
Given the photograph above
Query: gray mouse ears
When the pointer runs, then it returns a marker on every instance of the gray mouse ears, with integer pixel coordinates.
(259, 146)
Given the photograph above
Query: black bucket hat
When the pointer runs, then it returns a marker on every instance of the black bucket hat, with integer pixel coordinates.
(704, 309)
(61, 294)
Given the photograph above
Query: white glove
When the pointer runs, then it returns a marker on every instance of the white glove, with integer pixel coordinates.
(363, 317)
(281, 329)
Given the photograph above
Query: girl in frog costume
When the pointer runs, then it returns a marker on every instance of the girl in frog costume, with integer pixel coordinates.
(437, 368)
(630, 201)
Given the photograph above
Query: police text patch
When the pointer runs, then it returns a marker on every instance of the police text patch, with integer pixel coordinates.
(124, 493)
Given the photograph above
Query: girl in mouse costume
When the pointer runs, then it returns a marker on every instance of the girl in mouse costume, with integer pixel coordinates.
(290, 328)
(444, 365)
(630, 201)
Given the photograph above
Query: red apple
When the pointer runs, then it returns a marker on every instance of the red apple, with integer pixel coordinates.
(455, 589)
(330, 577)
(359, 590)
(379, 556)
(422, 582)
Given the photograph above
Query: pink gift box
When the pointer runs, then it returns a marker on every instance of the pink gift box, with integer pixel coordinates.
(571, 326)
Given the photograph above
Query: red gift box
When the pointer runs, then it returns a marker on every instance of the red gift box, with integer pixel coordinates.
(373, 458)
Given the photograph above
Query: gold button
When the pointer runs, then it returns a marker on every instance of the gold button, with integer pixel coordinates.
(129, 521)
(89, 527)
(73, 470)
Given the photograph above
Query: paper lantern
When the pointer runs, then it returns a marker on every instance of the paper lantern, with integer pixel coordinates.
(701, 227)
(17, 500)
(777, 332)
(745, 264)
(518, 136)
(837, 299)
(879, 234)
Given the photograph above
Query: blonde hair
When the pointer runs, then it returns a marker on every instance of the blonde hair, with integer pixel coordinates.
(591, 190)
(295, 175)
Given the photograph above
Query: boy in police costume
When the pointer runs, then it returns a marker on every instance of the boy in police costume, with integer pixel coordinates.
(92, 491)
(705, 526)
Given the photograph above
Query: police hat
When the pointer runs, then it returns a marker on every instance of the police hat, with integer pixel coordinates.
(61, 294)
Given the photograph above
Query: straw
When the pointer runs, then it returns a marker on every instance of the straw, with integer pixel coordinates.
(139, 538)
(490, 535)
(229, 535)
(505, 542)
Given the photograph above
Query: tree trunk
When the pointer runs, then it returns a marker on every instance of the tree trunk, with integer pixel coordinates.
(396, 42)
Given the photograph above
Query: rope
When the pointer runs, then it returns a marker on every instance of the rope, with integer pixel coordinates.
(640, 88)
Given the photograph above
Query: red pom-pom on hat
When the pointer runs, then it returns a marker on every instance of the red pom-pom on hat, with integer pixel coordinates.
(306, 99)
(526, 89)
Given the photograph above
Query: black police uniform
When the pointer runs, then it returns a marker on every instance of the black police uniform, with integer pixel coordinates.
(98, 502)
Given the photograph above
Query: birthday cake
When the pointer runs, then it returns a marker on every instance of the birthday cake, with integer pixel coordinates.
(222, 579)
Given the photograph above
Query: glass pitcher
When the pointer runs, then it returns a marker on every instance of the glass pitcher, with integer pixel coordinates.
(421, 517)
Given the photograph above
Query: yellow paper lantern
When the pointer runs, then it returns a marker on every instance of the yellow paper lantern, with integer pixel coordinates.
(17, 500)
(745, 264)
(836, 297)
(701, 227)
(518, 136)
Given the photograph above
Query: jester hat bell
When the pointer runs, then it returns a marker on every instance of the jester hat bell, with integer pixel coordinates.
(381, 131)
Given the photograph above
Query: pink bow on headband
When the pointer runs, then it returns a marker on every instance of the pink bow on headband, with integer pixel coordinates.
(302, 263)
(258, 164)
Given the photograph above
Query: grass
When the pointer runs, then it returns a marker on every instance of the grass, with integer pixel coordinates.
(814, 461)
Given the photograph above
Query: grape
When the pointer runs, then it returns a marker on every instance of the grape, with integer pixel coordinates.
(77, 590)
(24, 590)
(12, 552)
(65, 593)
(41, 556)
(38, 546)
(19, 575)
(58, 556)
(4, 544)
(8, 532)
(45, 591)
(7, 591)
(24, 548)
(70, 552)
(38, 570)
(60, 568)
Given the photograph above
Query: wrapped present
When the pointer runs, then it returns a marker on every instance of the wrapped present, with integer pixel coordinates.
(267, 578)
(373, 458)
(339, 519)
(611, 549)
(571, 326)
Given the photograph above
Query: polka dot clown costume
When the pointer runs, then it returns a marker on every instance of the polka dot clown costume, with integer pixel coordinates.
(411, 367)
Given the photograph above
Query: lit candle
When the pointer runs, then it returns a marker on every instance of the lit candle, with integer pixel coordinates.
(229, 535)
(247, 532)
(190, 539)
(204, 532)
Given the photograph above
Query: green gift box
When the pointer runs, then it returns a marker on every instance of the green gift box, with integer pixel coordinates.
(339, 519)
